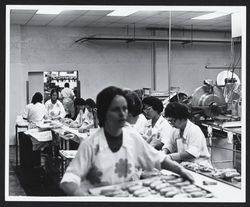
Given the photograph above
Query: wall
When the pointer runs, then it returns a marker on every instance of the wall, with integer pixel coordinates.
(104, 63)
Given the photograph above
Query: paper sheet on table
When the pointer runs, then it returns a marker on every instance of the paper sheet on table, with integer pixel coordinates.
(43, 136)
(75, 131)
(21, 122)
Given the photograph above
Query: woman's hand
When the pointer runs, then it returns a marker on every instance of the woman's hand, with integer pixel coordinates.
(187, 175)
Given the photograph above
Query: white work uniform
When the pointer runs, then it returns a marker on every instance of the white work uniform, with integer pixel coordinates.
(34, 113)
(162, 130)
(95, 163)
(140, 123)
(193, 141)
(67, 96)
(54, 110)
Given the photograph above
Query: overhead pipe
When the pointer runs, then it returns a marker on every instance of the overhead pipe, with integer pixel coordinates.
(152, 38)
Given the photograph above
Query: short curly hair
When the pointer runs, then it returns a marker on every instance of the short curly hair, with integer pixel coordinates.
(156, 103)
(177, 110)
(103, 101)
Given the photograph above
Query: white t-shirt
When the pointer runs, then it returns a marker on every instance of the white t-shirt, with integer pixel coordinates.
(96, 162)
(54, 110)
(34, 112)
(161, 127)
(67, 93)
(193, 142)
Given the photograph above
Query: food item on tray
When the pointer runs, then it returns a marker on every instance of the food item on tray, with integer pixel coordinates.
(177, 180)
(168, 177)
(197, 194)
(163, 191)
(236, 178)
(155, 183)
(172, 193)
(110, 191)
(148, 174)
(193, 189)
(206, 182)
(162, 185)
(140, 191)
(182, 195)
(184, 183)
(134, 188)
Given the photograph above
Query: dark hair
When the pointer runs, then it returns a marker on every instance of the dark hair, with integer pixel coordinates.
(66, 85)
(79, 102)
(103, 101)
(177, 110)
(156, 103)
(90, 102)
(54, 91)
(134, 103)
(37, 97)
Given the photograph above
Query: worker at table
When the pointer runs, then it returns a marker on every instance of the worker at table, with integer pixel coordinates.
(88, 122)
(111, 154)
(187, 142)
(81, 116)
(35, 111)
(157, 130)
(67, 95)
(54, 107)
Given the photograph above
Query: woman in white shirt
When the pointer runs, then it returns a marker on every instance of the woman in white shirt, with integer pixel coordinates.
(54, 107)
(88, 123)
(187, 142)
(157, 130)
(111, 155)
(35, 111)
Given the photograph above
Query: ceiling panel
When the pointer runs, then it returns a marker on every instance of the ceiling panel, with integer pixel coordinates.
(21, 16)
(98, 12)
(142, 19)
(22, 11)
(109, 19)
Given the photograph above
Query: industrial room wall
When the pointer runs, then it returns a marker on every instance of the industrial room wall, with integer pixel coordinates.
(103, 63)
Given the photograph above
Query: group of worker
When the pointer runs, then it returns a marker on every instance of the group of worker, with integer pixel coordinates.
(134, 133)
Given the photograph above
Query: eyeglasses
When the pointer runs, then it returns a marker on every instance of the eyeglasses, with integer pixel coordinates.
(147, 109)
(171, 121)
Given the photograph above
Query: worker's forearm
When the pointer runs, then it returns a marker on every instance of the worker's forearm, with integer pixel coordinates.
(181, 156)
(72, 189)
(175, 167)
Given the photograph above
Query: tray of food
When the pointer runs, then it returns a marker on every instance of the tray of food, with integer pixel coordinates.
(167, 186)
(227, 175)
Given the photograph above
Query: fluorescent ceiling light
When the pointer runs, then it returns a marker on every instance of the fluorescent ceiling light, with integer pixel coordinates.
(212, 15)
(122, 12)
(49, 10)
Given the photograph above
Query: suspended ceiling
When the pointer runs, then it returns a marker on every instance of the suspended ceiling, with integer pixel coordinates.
(139, 19)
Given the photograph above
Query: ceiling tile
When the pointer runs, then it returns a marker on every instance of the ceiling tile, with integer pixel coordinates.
(22, 11)
(20, 16)
(18, 21)
(144, 13)
(88, 18)
(109, 19)
(43, 17)
(66, 17)
(98, 12)
(79, 12)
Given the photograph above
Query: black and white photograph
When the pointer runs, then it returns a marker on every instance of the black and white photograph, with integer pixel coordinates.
(121, 103)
